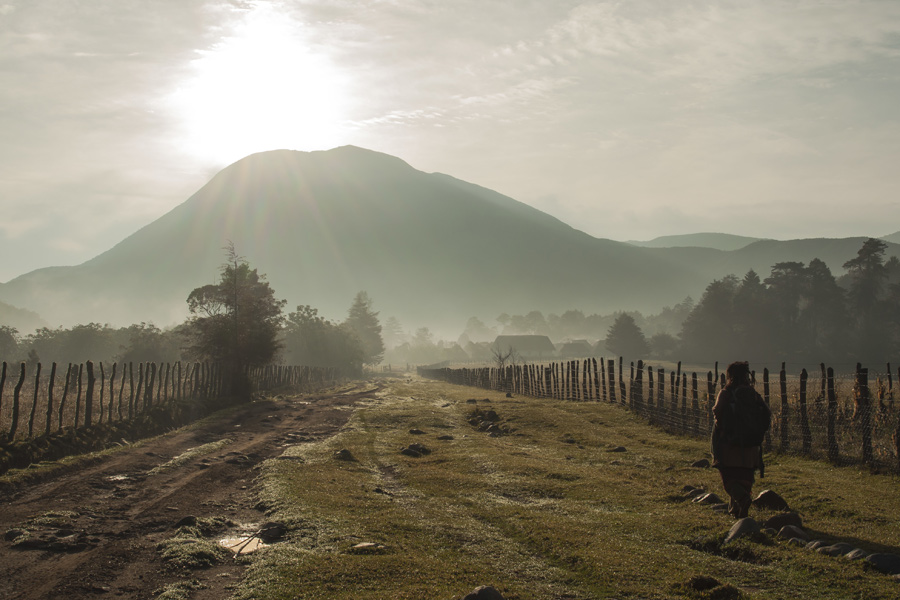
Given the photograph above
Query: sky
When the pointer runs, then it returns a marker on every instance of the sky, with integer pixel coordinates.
(627, 120)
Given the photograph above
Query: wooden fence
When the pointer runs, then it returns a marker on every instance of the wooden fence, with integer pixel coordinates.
(843, 418)
(86, 394)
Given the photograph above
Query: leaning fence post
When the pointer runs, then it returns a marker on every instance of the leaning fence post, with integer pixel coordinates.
(62, 402)
(78, 395)
(612, 380)
(15, 409)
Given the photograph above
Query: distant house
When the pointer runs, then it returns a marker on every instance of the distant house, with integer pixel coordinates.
(526, 346)
(576, 349)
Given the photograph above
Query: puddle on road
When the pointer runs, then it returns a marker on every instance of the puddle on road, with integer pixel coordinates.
(242, 545)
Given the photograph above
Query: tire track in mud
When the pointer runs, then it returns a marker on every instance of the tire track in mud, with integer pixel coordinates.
(92, 532)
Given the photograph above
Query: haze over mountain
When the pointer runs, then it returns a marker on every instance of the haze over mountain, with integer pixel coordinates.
(428, 248)
(718, 241)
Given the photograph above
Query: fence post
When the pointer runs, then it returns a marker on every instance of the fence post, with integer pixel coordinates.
(661, 395)
(651, 394)
(864, 412)
(804, 417)
(684, 409)
(623, 393)
(833, 450)
(78, 394)
(2, 382)
(34, 402)
(15, 409)
(102, 388)
(62, 403)
(131, 406)
(785, 411)
(89, 395)
(710, 399)
(50, 399)
(112, 393)
(596, 394)
(612, 380)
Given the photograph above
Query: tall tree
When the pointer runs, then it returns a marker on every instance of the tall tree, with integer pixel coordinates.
(363, 321)
(868, 277)
(235, 322)
(625, 338)
(708, 332)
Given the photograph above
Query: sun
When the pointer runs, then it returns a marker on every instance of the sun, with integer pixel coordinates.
(262, 88)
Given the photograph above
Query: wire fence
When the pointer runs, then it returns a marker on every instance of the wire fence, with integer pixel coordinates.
(38, 402)
(843, 418)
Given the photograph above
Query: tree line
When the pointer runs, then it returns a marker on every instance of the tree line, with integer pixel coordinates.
(237, 322)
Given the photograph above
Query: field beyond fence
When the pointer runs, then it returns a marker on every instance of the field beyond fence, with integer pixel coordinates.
(848, 417)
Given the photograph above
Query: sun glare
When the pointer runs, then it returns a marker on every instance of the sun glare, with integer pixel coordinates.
(262, 88)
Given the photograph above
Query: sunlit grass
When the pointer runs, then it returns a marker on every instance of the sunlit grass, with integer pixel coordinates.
(545, 511)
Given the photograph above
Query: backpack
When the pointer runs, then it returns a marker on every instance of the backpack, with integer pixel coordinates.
(750, 420)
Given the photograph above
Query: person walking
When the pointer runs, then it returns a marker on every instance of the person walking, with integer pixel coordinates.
(741, 421)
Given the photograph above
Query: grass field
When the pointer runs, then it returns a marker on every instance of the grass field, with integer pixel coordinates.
(545, 509)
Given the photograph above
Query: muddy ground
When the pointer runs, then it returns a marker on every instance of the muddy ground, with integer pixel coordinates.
(93, 532)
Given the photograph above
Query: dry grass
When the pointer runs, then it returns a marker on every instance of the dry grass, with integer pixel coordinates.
(544, 511)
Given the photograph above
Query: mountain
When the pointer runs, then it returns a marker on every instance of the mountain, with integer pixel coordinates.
(428, 248)
(717, 241)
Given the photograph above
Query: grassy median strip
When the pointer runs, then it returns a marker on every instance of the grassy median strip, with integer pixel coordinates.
(556, 500)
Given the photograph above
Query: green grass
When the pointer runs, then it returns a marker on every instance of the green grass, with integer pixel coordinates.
(544, 511)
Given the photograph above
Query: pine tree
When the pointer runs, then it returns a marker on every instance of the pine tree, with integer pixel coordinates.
(363, 321)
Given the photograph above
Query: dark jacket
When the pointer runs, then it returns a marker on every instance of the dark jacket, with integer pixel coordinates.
(724, 453)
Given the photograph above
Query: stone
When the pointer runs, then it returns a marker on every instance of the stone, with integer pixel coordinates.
(415, 450)
(709, 498)
(618, 449)
(742, 528)
(856, 554)
(188, 521)
(694, 492)
(272, 531)
(793, 532)
(770, 500)
(815, 544)
(839, 549)
(416, 432)
(445, 438)
(886, 563)
(703, 463)
(343, 454)
(484, 592)
(784, 519)
(367, 548)
(796, 542)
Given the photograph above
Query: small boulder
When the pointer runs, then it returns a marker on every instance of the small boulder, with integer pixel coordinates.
(703, 463)
(742, 528)
(815, 544)
(694, 492)
(618, 449)
(793, 532)
(886, 563)
(784, 519)
(770, 500)
(272, 531)
(445, 438)
(344, 454)
(416, 432)
(484, 592)
(839, 549)
(709, 498)
(415, 450)
(856, 554)
(367, 548)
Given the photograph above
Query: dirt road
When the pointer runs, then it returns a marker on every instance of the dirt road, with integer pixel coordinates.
(92, 533)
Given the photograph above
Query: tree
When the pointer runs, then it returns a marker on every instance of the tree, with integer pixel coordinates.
(313, 341)
(147, 343)
(868, 276)
(363, 321)
(235, 322)
(708, 332)
(625, 338)
(392, 332)
(9, 343)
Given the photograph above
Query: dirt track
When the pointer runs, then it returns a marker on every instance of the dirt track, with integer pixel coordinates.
(101, 523)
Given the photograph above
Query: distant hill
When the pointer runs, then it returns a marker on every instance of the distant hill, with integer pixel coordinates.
(717, 241)
(24, 321)
(894, 238)
(428, 248)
